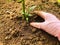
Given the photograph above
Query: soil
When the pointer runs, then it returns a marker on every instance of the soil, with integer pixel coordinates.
(16, 31)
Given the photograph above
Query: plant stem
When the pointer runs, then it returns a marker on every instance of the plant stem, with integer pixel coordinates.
(23, 6)
(25, 15)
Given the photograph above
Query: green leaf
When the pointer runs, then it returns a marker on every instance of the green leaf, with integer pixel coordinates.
(30, 14)
(31, 8)
(27, 19)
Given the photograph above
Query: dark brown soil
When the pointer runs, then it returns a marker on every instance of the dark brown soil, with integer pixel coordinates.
(15, 31)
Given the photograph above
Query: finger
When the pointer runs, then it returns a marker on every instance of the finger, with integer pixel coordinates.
(37, 25)
(45, 15)
(41, 13)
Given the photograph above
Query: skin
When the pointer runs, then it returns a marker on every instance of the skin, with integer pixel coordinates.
(51, 24)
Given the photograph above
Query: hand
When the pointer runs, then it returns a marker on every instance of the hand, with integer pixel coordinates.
(51, 24)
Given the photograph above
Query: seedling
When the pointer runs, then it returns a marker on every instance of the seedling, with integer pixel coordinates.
(25, 13)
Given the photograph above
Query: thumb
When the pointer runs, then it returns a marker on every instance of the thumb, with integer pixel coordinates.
(38, 25)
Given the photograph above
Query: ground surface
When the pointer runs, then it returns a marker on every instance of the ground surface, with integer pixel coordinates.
(15, 31)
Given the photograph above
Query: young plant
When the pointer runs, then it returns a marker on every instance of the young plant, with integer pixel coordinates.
(25, 13)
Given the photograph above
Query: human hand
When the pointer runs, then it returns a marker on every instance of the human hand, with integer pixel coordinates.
(51, 24)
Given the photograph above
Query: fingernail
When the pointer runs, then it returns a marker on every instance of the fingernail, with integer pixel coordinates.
(36, 11)
(31, 23)
(40, 12)
(43, 12)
